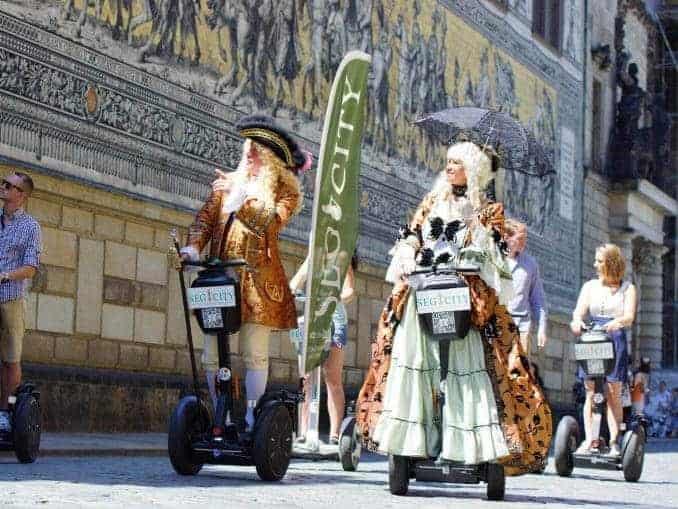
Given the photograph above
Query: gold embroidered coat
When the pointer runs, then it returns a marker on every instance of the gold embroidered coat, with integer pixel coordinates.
(253, 235)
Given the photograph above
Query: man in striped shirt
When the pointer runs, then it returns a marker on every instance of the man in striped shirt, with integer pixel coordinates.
(20, 241)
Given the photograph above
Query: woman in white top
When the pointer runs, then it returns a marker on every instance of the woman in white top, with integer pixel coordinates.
(608, 301)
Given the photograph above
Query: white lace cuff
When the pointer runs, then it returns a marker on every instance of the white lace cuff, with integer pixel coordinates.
(402, 263)
(191, 252)
(235, 199)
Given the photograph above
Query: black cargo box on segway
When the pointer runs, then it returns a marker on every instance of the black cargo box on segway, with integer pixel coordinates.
(196, 436)
(594, 353)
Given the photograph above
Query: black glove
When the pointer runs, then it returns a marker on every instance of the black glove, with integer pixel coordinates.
(425, 257)
(436, 227)
(451, 230)
(443, 258)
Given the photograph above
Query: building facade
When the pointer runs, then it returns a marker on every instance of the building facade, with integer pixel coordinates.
(122, 110)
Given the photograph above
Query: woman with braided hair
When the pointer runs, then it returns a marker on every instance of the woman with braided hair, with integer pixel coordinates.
(494, 410)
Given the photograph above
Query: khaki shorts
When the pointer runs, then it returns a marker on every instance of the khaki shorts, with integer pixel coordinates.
(254, 340)
(12, 327)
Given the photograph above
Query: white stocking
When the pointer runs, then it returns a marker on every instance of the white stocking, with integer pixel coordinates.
(255, 386)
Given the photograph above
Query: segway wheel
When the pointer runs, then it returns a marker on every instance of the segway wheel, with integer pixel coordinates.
(273, 443)
(633, 455)
(565, 444)
(398, 474)
(496, 482)
(349, 445)
(187, 423)
(27, 428)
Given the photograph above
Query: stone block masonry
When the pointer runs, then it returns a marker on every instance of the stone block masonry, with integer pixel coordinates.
(107, 299)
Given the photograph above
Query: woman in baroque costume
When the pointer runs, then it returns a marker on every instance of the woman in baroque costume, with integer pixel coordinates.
(494, 408)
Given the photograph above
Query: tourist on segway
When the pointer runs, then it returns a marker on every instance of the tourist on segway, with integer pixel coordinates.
(610, 302)
(495, 416)
(20, 419)
(242, 219)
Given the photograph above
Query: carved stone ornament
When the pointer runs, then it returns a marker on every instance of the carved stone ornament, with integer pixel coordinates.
(178, 133)
(91, 101)
(646, 254)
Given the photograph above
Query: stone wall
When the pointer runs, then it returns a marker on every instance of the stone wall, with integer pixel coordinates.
(105, 311)
(596, 221)
(106, 332)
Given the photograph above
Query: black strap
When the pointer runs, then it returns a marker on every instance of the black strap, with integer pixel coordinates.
(227, 225)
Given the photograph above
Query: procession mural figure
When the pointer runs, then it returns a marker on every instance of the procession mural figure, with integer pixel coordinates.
(379, 120)
(483, 92)
(281, 56)
(286, 63)
(173, 17)
(505, 89)
(405, 65)
(311, 87)
(440, 98)
(337, 39)
(358, 20)
(225, 14)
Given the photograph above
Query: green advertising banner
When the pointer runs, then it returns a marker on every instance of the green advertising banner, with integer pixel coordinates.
(334, 227)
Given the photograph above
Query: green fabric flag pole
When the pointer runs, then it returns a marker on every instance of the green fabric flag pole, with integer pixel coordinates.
(334, 227)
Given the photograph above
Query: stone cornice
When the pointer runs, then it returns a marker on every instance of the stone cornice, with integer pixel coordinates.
(651, 194)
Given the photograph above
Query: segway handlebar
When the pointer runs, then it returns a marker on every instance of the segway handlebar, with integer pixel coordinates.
(448, 269)
(216, 263)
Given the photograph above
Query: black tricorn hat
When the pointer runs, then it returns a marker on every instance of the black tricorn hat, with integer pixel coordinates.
(265, 131)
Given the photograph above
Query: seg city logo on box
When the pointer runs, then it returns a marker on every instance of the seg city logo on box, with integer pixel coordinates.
(448, 299)
(211, 297)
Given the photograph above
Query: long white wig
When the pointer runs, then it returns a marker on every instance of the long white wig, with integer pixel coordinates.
(478, 168)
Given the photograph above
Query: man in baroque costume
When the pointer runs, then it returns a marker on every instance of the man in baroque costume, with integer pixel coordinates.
(494, 409)
(242, 218)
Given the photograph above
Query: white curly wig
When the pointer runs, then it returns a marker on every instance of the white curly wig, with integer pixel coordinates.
(478, 167)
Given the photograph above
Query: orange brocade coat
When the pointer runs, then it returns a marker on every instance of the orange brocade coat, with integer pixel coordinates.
(253, 235)
(524, 413)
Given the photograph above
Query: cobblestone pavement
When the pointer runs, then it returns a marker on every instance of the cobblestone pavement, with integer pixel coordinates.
(150, 482)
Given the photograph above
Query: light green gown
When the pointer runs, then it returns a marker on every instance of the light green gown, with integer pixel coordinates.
(471, 432)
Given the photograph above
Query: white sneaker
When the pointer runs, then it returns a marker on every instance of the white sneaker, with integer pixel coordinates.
(5, 425)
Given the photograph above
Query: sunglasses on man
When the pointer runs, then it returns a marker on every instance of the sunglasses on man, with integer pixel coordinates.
(8, 185)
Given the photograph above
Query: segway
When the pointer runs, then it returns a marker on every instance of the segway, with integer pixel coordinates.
(595, 354)
(350, 446)
(447, 317)
(196, 437)
(26, 420)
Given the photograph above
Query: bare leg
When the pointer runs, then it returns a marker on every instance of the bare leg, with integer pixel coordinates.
(11, 378)
(335, 389)
(588, 412)
(614, 409)
(303, 425)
